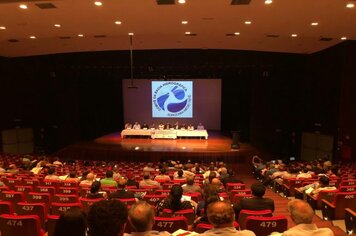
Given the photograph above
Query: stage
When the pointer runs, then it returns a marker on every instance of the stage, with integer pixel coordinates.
(113, 147)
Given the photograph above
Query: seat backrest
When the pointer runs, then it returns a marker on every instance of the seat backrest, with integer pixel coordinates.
(349, 182)
(245, 213)
(12, 196)
(163, 191)
(202, 227)
(189, 214)
(350, 221)
(348, 188)
(236, 198)
(53, 183)
(46, 189)
(170, 224)
(127, 201)
(342, 201)
(234, 186)
(12, 182)
(51, 224)
(6, 208)
(39, 209)
(153, 199)
(39, 197)
(23, 188)
(28, 225)
(69, 184)
(87, 202)
(68, 190)
(327, 195)
(30, 182)
(60, 208)
(64, 198)
(263, 226)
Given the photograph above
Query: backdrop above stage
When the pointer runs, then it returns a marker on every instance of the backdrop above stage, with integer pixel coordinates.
(184, 101)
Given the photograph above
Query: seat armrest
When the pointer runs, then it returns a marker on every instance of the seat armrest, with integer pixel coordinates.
(313, 201)
(298, 194)
(328, 210)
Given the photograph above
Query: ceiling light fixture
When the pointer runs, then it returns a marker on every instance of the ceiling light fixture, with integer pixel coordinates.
(294, 35)
(32, 37)
(248, 22)
(343, 38)
(350, 5)
(184, 22)
(237, 33)
(81, 35)
(187, 32)
(23, 6)
(131, 34)
(98, 3)
(118, 22)
(267, 2)
(181, 1)
(57, 25)
(2, 27)
(314, 24)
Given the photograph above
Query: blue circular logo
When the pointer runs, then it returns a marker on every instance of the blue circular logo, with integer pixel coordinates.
(172, 97)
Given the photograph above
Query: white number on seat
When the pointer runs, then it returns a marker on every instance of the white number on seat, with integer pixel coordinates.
(268, 224)
(165, 224)
(14, 223)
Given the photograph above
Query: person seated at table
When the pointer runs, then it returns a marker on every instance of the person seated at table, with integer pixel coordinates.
(168, 126)
(153, 126)
(176, 125)
(190, 127)
(161, 126)
(128, 126)
(145, 125)
(200, 126)
(136, 125)
(183, 126)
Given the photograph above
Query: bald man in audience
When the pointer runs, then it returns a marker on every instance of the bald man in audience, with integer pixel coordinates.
(302, 215)
(221, 216)
(189, 187)
(141, 219)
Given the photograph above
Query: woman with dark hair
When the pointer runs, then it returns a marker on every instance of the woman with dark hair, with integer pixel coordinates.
(94, 191)
(71, 223)
(174, 201)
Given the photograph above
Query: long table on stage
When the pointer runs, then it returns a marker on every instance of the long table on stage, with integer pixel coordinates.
(164, 133)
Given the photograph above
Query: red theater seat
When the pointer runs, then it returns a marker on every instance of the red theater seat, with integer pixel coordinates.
(39, 209)
(170, 224)
(12, 196)
(64, 198)
(87, 202)
(263, 226)
(12, 225)
(315, 202)
(60, 208)
(189, 214)
(6, 208)
(153, 199)
(336, 210)
(234, 186)
(51, 224)
(245, 213)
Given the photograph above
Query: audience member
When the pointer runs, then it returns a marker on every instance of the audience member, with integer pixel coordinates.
(221, 216)
(148, 182)
(189, 187)
(131, 180)
(174, 201)
(211, 169)
(122, 192)
(141, 219)
(94, 191)
(51, 174)
(71, 223)
(257, 202)
(109, 180)
(302, 215)
(72, 177)
(88, 180)
(107, 218)
(162, 177)
(136, 125)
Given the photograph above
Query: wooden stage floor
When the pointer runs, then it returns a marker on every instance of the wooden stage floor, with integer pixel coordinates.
(113, 147)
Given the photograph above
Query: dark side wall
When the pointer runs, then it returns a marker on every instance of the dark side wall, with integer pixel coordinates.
(265, 96)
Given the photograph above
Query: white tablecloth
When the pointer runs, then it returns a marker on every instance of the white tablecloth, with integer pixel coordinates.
(169, 134)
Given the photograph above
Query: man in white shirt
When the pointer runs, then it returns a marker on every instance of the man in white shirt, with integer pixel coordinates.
(302, 214)
(221, 216)
(136, 125)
